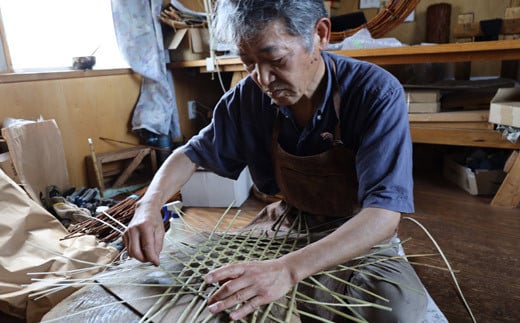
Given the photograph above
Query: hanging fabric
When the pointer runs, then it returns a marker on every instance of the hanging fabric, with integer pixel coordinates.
(140, 40)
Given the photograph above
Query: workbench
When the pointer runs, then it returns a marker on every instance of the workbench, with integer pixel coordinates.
(443, 130)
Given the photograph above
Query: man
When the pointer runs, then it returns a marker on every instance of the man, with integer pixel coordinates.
(303, 121)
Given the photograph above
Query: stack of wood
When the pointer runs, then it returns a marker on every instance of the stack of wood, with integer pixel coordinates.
(423, 100)
(178, 19)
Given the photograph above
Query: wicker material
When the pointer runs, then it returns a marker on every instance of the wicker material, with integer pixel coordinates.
(386, 20)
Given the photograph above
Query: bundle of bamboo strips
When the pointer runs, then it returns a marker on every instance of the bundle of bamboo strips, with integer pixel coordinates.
(393, 14)
(108, 226)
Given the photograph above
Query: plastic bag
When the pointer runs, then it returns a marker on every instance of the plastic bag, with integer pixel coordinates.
(363, 40)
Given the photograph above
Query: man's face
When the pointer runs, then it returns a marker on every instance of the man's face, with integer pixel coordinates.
(281, 66)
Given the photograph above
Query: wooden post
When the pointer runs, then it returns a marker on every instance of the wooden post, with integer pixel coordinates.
(508, 195)
(5, 57)
(97, 168)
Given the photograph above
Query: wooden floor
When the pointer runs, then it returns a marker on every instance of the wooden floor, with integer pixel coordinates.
(482, 244)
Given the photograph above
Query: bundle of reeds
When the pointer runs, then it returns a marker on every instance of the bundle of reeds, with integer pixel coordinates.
(108, 225)
(393, 14)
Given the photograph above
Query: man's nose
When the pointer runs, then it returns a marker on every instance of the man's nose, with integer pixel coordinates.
(264, 75)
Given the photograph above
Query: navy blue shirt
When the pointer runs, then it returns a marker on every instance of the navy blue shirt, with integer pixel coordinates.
(373, 123)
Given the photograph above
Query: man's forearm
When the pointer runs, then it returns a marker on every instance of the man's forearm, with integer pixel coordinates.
(171, 176)
(354, 238)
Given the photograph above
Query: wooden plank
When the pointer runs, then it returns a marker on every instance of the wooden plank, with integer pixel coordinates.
(508, 195)
(63, 75)
(510, 161)
(460, 137)
(119, 154)
(131, 167)
(455, 116)
(452, 52)
(454, 125)
(5, 57)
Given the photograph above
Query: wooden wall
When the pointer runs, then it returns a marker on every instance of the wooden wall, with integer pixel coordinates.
(94, 106)
(82, 107)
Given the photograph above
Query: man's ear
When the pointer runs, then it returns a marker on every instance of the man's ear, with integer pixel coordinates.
(323, 27)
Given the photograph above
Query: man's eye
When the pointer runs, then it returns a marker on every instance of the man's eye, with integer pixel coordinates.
(278, 61)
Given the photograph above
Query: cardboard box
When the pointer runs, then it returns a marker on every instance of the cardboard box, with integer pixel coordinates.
(207, 189)
(188, 44)
(505, 107)
(478, 182)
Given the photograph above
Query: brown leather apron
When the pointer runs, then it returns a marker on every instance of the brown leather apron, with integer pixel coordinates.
(322, 184)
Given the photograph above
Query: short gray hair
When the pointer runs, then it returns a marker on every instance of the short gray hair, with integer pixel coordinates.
(241, 20)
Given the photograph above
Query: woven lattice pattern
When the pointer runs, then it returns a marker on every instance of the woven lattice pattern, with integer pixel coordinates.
(176, 290)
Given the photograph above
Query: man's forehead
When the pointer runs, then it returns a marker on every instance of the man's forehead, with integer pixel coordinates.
(267, 49)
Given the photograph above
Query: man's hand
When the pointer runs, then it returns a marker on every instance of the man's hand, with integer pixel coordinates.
(251, 284)
(145, 234)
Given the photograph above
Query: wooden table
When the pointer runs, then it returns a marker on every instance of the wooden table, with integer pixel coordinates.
(424, 131)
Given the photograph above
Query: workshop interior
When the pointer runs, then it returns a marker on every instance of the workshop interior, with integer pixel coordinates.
(95, 97)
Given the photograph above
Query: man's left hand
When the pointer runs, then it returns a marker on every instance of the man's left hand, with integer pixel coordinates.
(251, 284)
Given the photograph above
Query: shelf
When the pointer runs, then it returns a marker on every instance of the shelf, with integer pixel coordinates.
(444, 129)
(509, 27)
(438, 53)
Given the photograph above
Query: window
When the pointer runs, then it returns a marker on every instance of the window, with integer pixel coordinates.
(44, 35)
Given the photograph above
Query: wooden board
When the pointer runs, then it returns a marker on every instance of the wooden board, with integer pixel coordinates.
(454, 125)
(508, 195)
(456, 116)
(5, 57)
(460, 137)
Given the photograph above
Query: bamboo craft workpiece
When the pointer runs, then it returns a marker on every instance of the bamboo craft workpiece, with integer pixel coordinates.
(176, 291)
(393, 14)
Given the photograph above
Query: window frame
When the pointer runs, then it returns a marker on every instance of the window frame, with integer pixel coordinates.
(13, 74)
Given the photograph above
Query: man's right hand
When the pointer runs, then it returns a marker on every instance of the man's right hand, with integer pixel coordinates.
(145, 234)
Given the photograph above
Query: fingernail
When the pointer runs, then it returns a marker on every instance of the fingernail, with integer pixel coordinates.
(212, 308)
(209, 279)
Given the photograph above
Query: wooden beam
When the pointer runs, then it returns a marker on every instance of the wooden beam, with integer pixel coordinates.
(455, 116)
(508, 194)
(455, 125)
(460, 137)
(453, 52)
(131, 168)
(5, 56)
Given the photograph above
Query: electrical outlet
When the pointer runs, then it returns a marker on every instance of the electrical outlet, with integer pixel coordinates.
(192, 110)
